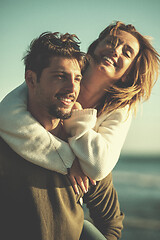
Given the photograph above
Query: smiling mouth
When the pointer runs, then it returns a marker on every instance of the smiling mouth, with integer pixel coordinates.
(65, 99)
(109, 60)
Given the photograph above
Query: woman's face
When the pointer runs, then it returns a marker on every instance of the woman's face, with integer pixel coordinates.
(112, 62)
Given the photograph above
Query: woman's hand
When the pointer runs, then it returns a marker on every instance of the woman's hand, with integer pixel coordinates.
(77, 176)
(77, 105)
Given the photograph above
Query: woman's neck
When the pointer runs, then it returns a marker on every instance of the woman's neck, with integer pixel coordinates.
(92, 90)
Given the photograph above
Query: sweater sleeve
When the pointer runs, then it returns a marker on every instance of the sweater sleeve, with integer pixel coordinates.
(28, 138)
(98, 147)
(102, 202)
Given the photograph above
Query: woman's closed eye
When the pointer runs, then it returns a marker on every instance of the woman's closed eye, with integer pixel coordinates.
(127, 53)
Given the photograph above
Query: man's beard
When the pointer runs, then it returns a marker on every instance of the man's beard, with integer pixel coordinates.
(57, 113)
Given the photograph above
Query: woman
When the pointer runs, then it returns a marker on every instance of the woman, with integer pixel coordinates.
(120, 71)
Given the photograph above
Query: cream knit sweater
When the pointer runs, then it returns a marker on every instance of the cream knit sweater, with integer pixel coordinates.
(96, 141)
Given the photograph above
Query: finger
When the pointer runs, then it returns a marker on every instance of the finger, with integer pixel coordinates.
(93, 182)
(81, 184)
(86, 182)
(74, 184)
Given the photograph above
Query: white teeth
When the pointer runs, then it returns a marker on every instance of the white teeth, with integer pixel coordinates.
(109, 60)
(66, 99)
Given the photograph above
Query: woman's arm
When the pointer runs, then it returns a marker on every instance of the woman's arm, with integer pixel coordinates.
(98, 148)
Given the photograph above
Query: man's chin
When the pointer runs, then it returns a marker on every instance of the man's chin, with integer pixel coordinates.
(63, 116)
(60, 114)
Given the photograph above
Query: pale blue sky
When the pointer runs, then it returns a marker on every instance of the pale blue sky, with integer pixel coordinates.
(21, 21)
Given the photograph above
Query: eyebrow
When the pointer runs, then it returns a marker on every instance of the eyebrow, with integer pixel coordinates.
(63, 72)
(120, 41)
(128, 47)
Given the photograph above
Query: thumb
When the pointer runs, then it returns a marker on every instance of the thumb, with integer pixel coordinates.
(77, 105)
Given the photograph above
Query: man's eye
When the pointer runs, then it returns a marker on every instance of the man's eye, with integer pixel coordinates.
(78, 79)
(60, 77)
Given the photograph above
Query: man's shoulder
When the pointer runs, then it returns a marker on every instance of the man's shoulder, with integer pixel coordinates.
(11, 160)
(5, 149)
(3, 145)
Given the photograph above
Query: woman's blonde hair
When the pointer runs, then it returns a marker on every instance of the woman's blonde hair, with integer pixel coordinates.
(141, 78)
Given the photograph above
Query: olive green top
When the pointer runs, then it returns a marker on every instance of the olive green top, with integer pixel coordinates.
(38, 204)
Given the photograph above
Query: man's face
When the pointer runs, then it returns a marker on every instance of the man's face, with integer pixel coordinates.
(114, 62)
(58, 87)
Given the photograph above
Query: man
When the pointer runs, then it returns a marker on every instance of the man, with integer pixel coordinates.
(36, 203)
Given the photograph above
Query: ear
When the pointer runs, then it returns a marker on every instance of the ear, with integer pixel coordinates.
(31, 78)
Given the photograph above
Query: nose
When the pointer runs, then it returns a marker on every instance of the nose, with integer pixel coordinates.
(70, 84)
(117, 51)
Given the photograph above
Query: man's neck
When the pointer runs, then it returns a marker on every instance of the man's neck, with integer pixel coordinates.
(54, 126)
(48, 122)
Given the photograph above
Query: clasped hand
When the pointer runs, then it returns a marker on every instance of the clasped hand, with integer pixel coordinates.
(77, 177)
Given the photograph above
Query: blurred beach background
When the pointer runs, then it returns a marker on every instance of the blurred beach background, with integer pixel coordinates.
(137, 175)
(137, 181)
